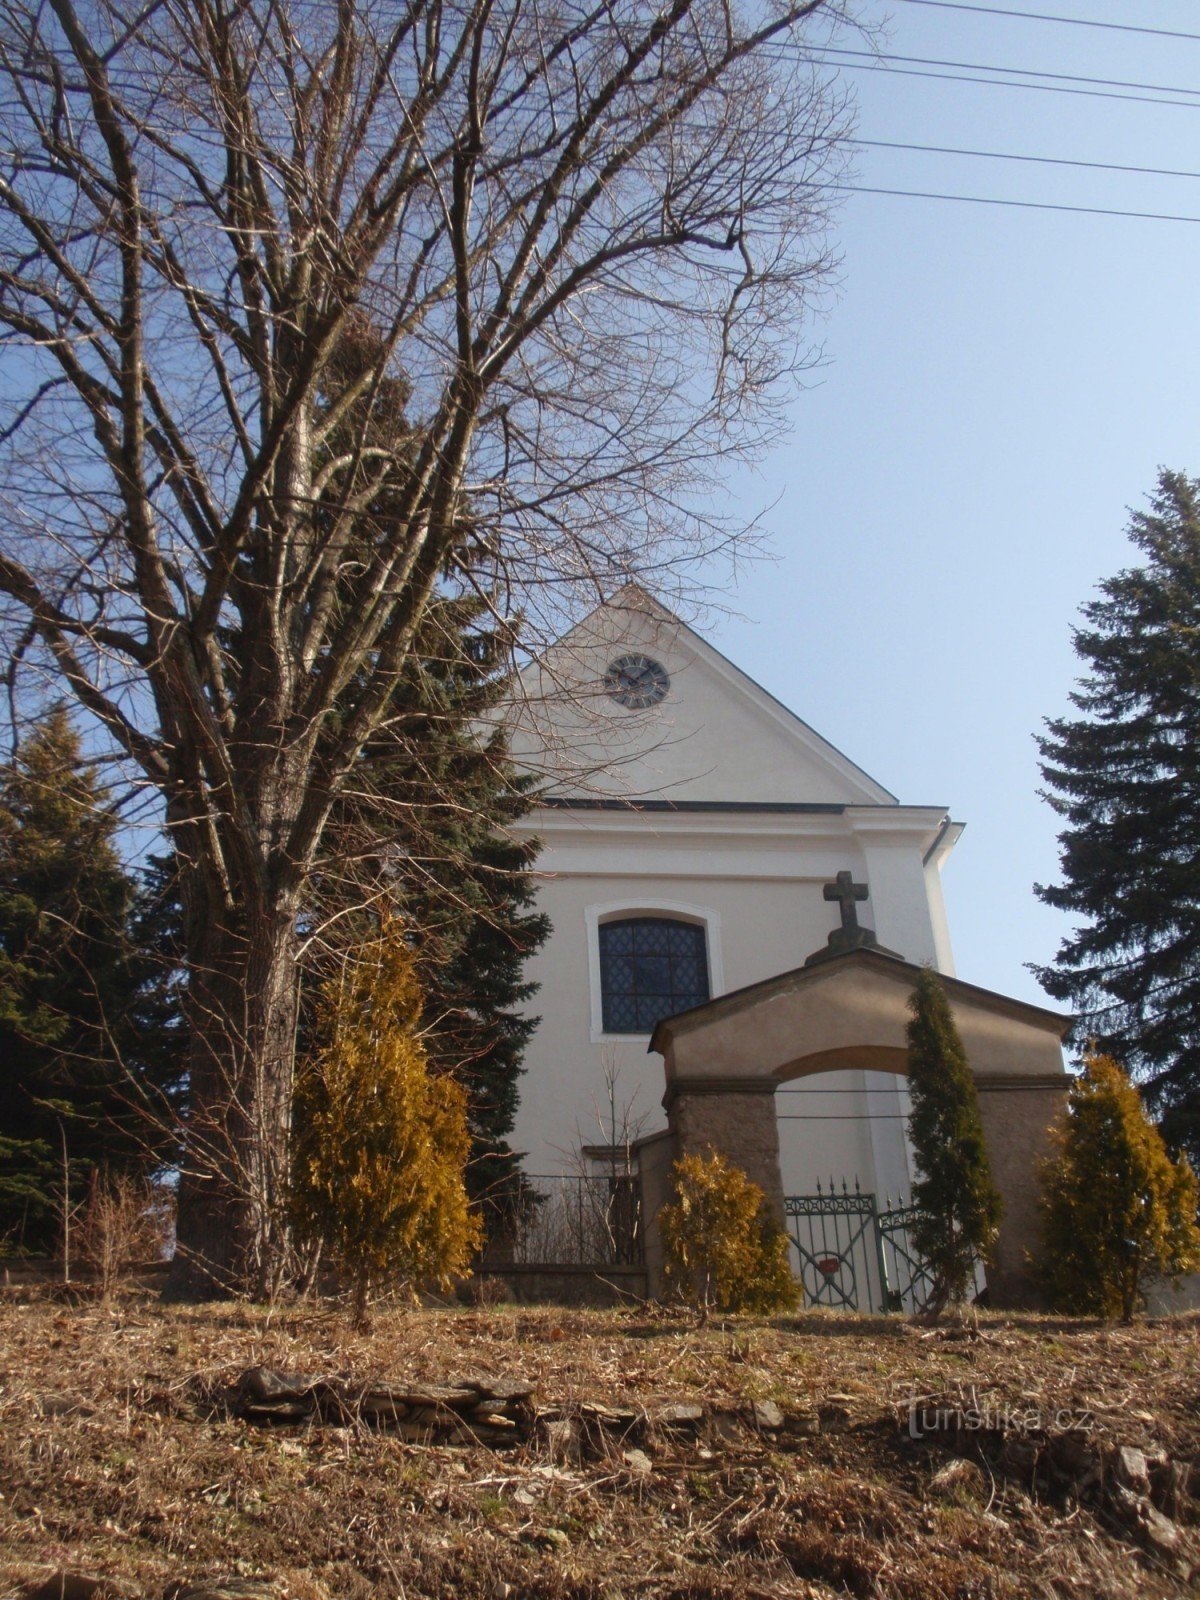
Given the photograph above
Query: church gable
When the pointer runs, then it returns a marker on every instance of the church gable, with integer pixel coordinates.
(632, 704)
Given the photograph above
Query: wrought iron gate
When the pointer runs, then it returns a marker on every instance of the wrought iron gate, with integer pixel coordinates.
(853, 1255)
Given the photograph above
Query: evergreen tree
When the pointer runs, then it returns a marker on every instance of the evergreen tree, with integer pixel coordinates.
(1116, 1207)
(958, 1206)
(1125, 776)
(448, 796)
(380, 1142)
(425, 828)
(75, 1061)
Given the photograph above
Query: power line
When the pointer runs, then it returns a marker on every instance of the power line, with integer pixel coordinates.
(1005, 155)
(1023, 205)
(1017, 72)
(1043, 16)
(1004, 83)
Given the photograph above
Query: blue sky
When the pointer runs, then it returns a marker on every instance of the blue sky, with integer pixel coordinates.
(999, 388)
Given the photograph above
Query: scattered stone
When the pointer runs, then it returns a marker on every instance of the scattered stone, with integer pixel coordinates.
(263, 1385)
(433, 1394)
(959, 1479)
(608, 1416)
(638, 1461)
(682, 1414)
(805, 1423)
(1160, 1534)
(505, 1390)
(1131, 1469)
(768, 1417)
(727, 1428)
(1156, 1533)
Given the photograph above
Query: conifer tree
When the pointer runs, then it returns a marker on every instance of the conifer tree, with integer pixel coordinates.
(427, 827)
(424, 829)
(958, 1206)
(381, 1143)
(1116, 1208)
(722, 1250)
(76, 1063)
(1124, 774)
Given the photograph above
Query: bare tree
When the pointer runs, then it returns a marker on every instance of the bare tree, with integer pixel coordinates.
(578, 237)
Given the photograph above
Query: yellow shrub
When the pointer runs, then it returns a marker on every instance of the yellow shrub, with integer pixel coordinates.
(381, 1145)
(1116, 1209)
(723, 1250)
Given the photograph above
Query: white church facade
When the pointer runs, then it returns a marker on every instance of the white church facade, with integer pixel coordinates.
(692, 831)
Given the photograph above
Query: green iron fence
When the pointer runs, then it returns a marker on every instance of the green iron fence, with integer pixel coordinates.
(854, 1254)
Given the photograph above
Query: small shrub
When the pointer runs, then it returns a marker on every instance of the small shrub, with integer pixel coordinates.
(381, 1144)
(125, 1224)
(1116, 1209)
(723, 1249)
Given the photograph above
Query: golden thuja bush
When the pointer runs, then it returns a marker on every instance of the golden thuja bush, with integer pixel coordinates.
(381, 1145)
(723, 1251)
(1116, 1209)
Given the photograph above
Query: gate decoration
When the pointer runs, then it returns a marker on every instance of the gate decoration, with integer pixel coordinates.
(855, 1255)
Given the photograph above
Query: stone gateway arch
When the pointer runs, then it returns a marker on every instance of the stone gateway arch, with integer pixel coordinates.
(725, 1060)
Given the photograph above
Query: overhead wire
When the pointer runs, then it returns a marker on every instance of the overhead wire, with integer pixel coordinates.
(1012, 83)
(1009, 155)
(1023, 205)
(1045, 16)
(1022, 72)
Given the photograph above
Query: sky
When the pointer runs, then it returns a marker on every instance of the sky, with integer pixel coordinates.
(999, 387)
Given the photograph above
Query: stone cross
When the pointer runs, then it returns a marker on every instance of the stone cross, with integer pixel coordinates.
(847, 892)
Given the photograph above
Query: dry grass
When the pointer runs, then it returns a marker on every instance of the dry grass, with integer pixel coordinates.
(108, 1463)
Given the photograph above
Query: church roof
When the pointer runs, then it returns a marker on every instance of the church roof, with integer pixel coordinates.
(718, 740)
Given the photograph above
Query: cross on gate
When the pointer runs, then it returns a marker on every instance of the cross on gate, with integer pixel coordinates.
(847, 893)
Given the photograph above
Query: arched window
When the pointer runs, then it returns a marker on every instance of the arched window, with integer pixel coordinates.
(650, 968)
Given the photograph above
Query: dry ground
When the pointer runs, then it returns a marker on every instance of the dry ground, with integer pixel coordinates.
(111, 1464)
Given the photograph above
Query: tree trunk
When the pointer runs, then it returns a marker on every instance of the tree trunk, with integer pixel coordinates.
(242, 1003)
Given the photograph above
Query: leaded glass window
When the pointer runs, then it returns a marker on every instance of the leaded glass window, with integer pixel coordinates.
(650, 968)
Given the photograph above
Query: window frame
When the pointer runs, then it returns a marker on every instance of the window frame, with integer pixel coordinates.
(668, 910)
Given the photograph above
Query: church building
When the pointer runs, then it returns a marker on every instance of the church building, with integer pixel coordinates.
(694, 836)
(739, 915)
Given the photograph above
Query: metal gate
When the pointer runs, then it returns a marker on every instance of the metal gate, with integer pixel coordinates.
(854, 1255)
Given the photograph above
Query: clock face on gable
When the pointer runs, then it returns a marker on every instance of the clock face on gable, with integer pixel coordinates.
(637, 681)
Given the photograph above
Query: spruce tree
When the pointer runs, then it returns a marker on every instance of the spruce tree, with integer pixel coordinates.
(381, 1144)
(462, 878)
(77, 1064)
(425, 828)
(1116, 1207)
(958, 1206)
(1124, 774)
